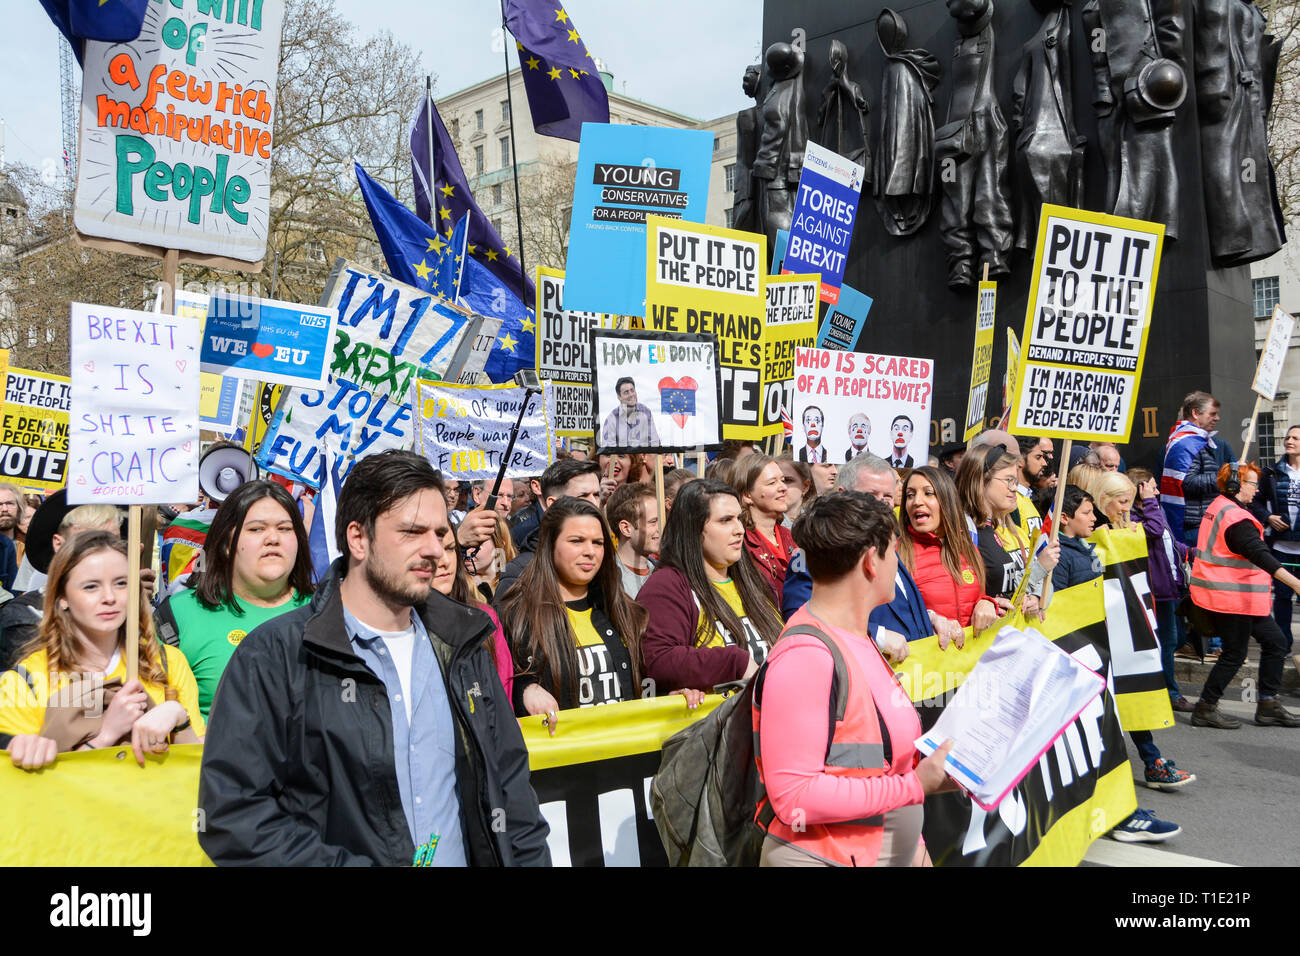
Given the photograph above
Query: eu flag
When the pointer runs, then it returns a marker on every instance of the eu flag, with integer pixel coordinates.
(676, 401)
(418, 256)
(111, 21)
(442, 197)
(564, 90)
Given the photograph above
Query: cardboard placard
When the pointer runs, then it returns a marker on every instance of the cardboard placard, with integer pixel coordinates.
(982, 360)
(135, 407)
(844, 321)
(564, 355)
(220, 396)
(34, 444)
(791, 324)
(465, 430)
(1273, 356)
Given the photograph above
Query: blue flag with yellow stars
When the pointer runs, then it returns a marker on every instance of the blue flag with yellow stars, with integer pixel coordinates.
(111, 21)
(451, 199)
(560, 77)
(418, 256)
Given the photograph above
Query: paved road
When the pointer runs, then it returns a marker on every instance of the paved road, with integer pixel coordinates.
(1242, 810)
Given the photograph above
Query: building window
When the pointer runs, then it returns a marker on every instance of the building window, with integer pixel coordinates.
(505, 111)
(496, 224)
(731, 213)
(478, 160)
(717, 143)
(478, 120)
(1267, 293)
(455, 128)
(316, 250)
(496, 194)
(731, 178)
(505, 151)
(1264, 435)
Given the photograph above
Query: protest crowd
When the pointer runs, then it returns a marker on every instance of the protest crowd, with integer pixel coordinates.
(373, 610)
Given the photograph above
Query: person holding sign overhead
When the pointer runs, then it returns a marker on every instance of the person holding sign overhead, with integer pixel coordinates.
(70, 690)
(711, 614)
(631, 424)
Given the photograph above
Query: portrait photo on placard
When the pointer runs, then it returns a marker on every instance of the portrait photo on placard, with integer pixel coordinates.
(655, 392)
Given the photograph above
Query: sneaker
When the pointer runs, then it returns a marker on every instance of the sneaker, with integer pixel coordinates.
(1204, 715)
(1163, 775)
(1182, 705)
(1271, 713)
(1143, 827)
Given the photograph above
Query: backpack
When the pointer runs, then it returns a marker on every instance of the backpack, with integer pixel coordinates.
(705, 795)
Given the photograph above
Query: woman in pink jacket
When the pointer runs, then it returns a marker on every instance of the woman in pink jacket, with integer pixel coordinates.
(847, 792)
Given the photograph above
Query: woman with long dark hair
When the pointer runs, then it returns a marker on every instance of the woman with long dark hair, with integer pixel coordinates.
(256, 565)
(70, 691)
(712, 619)
(575, 635)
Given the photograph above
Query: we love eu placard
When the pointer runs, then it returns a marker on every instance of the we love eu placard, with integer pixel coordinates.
(280, 342)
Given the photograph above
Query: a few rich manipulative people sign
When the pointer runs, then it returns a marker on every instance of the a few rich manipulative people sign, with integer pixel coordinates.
(850, 402)
(704, 279)
(821, 226)
(564, 355)
(791, 324)
(1086, 327)
(135, 407)
(465, 430)
(982, 361)
(655, 392)
(175, 129)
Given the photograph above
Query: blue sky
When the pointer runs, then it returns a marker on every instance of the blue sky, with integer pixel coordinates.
(686, 56)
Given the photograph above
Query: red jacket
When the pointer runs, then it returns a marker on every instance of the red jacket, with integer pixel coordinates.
(943, 595)
(771, 562)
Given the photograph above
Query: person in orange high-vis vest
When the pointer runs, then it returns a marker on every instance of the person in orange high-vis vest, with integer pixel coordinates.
(1231, 579)
(843, 783)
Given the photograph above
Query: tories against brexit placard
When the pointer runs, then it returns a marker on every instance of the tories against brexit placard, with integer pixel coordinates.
(1086, 326)
(821, 227)
(704, 279)
(850, 402)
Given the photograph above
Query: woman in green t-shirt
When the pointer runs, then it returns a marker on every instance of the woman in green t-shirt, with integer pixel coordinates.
(255, 565)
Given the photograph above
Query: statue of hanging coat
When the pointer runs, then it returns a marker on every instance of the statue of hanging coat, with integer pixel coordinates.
(903, 183)
(782, 141)
(842, 96)
(1236, 65)
(1139, 81)
(973, 153)
(1048, 153)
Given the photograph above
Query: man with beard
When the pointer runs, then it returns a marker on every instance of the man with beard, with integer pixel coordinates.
(11, 516)
(370, 727)
(859, 435)
(813, 421)
(1035, 464)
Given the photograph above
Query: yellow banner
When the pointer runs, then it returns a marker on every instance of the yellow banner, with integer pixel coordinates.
(586, 734)
(34, 440)
(713, 280)
(982, 362)
(792, 302)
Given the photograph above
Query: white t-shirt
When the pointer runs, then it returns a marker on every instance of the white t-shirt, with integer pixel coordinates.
(1293, 503)
(401, 648)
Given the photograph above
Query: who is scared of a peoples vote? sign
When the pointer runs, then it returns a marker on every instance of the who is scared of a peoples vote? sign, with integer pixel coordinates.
(175, 129)
(135, 407)
(564, 355)
(821, 226)
(982, 361)
(1086, 326)
(267, 341)
(708, 280)
(791, 324)
(850, 402)
(655, 392)
(624, 175)
(465, 430)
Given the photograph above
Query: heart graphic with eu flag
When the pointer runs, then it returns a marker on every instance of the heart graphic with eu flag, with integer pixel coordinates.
(677, 398)
(263, 349)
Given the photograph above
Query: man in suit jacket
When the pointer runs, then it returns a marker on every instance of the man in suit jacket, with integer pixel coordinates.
(813, 420)
(900, 430)
(907, 614)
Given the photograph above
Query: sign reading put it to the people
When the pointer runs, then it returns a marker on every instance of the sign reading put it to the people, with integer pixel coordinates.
(135, 407)
(1086, 326)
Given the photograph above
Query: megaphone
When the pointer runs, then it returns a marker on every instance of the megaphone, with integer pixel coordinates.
(223, 468)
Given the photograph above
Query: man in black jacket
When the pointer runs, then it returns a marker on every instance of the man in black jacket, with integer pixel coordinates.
(370, 727)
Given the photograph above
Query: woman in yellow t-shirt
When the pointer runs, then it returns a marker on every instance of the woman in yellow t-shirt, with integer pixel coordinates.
(69, 690)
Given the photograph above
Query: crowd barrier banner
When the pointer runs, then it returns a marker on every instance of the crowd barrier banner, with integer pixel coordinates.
(592, 778)
(387, 335)
(710, 280)
(101, 808)
(34, 443)
(982, 361)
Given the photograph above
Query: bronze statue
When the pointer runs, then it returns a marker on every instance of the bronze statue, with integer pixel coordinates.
(744, 201)
(1048, 147)
(903, 182)
(1139, 81)
(1236, 65)
(841, 93)
(782, 141)
(973, 152)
